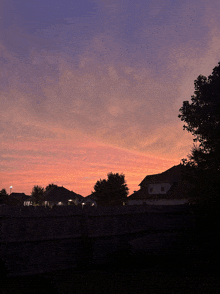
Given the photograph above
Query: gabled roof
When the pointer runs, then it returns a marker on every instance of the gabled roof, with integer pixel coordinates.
(19, 196)
(171, 175)
(60, 194)
(141, 194)
(90, 198)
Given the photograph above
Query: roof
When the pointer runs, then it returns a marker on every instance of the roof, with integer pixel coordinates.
(60, 194)
(93, 196)
(141, 194)
(171, 175)
(19, 196)
(90, 198)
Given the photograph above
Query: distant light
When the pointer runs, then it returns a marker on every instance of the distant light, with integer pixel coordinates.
(11, 187)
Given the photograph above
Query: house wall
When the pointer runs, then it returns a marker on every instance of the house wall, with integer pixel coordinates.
(158, 202)
(135, 202)
(159, 188)
(27, 203)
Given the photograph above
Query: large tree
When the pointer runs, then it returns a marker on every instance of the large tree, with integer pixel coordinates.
(37, 193)
(202, 119)
(112, 191)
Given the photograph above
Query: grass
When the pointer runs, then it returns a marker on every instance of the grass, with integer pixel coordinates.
(137, 274)
(153, 280)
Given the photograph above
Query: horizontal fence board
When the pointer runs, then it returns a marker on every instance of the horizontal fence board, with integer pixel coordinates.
(41, 239)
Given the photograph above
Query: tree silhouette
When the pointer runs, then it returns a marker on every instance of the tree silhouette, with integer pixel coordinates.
(112, 191)
(37, 193)
(50, 187)
(3, 192)
(3, 196)
(202, 118)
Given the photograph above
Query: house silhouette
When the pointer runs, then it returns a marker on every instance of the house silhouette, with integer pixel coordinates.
(61, 196)
(168, 187)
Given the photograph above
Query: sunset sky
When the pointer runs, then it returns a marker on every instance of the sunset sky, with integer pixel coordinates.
(94, 86)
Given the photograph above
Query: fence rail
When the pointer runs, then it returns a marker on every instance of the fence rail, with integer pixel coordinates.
(40, 239)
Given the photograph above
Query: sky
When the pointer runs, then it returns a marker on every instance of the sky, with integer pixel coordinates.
(95, 86)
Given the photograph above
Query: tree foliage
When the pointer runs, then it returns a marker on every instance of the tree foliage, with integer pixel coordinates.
(202, 119)
(3, 192)
(37, 193)
(3, 196)
(112, 191)
(50, 187)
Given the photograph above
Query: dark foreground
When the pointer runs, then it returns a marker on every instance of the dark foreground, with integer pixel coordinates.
(127, 274)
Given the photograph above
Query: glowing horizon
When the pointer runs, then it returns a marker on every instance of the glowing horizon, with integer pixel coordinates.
(96, 166)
